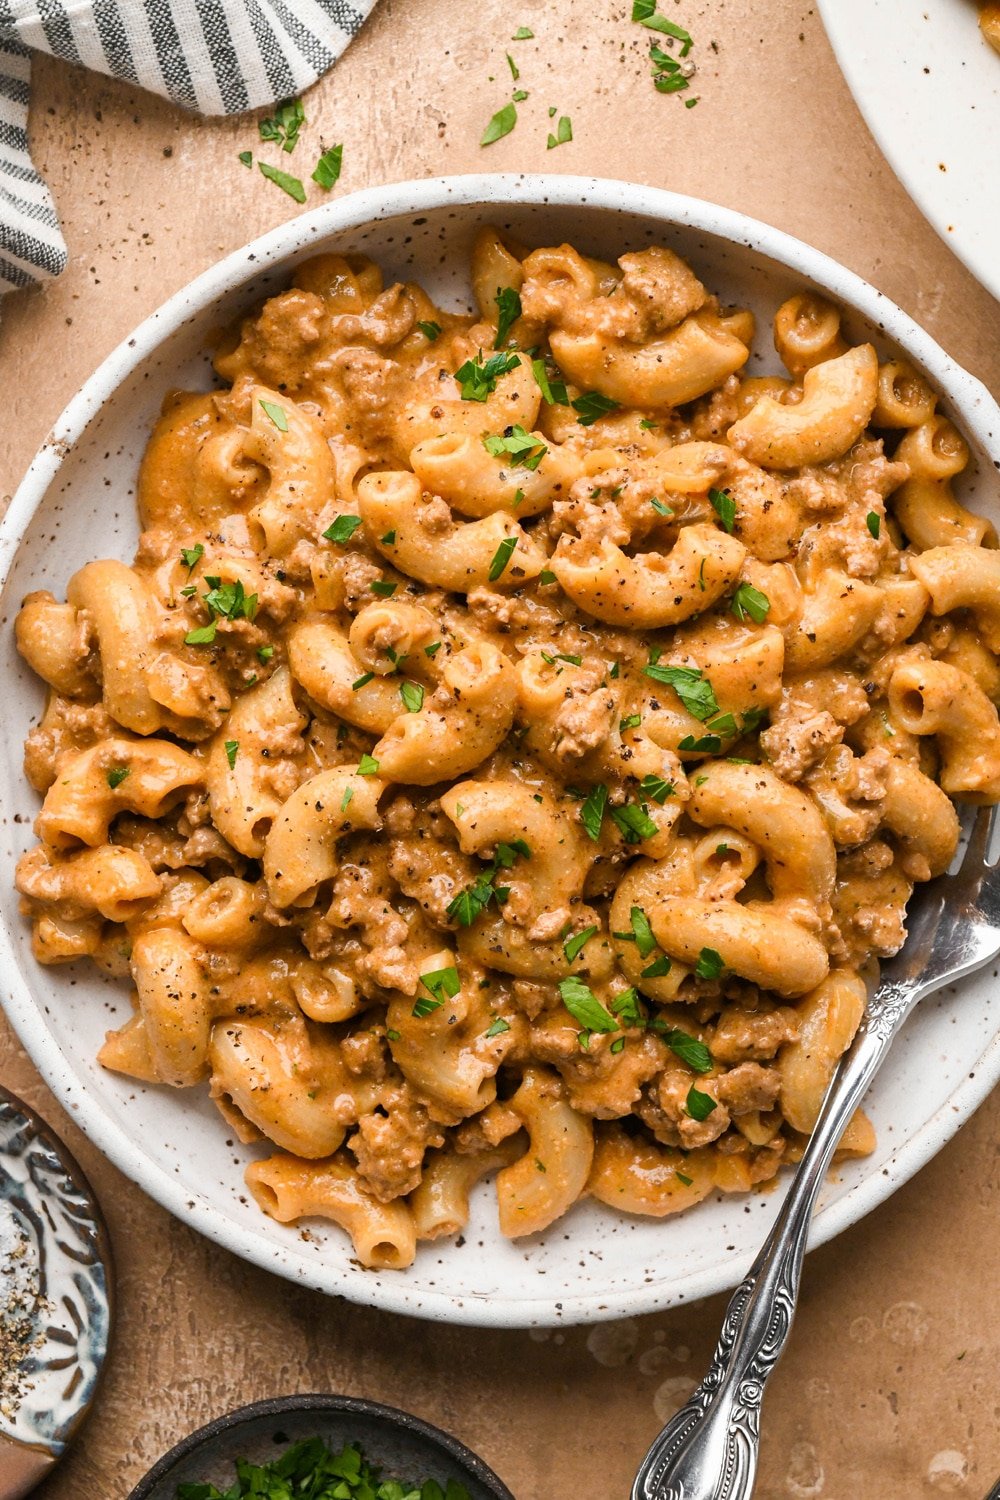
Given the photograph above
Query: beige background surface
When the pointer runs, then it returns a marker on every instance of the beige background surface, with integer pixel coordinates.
(891, 1388)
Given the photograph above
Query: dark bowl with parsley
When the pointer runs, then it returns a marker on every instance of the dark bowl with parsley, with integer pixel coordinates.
(320, 1448)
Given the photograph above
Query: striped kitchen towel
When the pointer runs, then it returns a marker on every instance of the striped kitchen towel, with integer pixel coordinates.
(215, 56)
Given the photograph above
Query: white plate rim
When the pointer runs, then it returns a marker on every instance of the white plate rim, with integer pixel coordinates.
(980, 416)
(942, 208)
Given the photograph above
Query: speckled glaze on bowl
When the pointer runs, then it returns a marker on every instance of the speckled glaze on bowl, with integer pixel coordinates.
(77, 502)
(402, 1446)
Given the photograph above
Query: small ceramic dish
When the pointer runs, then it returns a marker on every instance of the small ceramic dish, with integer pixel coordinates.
(78, 502)
(56, 1283)
(400, 1445)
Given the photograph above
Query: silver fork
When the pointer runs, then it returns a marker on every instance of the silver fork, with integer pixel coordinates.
(708, 1451)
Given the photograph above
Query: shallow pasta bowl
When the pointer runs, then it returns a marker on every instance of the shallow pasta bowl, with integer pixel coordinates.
(77, 502)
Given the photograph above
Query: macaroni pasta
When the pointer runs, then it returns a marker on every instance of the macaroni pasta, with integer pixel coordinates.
(516, 738)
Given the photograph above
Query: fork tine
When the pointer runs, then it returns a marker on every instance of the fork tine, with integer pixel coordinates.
(974, 859)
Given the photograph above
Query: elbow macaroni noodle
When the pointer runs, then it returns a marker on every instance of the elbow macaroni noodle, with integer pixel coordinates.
(516, 737)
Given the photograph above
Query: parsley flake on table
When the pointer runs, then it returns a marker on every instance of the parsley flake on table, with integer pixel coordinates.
(477, 378)
(501, 558)
(246, 157)
(644, 11)
(284, 125)
(592, 405)
(691, 686)
(288, 184)
(327, 170)
(277, 414)
(501, 124)
(508, 311)
(522, 34)
(515, 71)
(563, 135)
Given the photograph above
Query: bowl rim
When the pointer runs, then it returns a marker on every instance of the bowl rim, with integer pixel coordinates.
(979, 416)
(316, 1401)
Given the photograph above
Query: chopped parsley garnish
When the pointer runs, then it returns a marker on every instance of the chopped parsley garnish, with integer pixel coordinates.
(699, 1105)
(288, 184)
(277, 414)
(501, 124)
(502, 557)
(441, 985)
(657, 788)
(433, 649)
(383, 587)
(592, 811)
(874, 523)
(362, 681)
(631, 722)
(311, 1471)
(658, 968)
(191, 556)
(478, 378)
(345, 800)
(524, 450)
(498, 1027)
(689, 1049)
(592, 405)
(508, 302)
(284, 125)
(563, 135)
(412, 695)
(264, 653)
(391, 1036)
(232, 750)
(642, 931)
(367, 766)
(660, 508)
(327, 169)
(522, 34)
(116, 775)
(691, 686)
(471, 902)
(687, 1181)
(546, 576)
(430, 330)
(750, 601)
(584, 1006)
(573, 946)
(618, 1045)
(627, 1008)
(342, 529)
(633, 822)
(389, 539)
(225, 601)
(710, 964)
(724, 506)
(553, 388)
(550, 660)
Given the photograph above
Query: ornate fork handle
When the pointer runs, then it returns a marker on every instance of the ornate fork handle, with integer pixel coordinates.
(708, 1451)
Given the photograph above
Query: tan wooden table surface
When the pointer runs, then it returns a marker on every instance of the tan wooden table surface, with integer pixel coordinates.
(891, 1389)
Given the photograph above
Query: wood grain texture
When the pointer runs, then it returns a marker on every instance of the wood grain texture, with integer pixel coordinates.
(890, 1386)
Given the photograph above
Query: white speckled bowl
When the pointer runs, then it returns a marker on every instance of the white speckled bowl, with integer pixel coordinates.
(77, 502)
